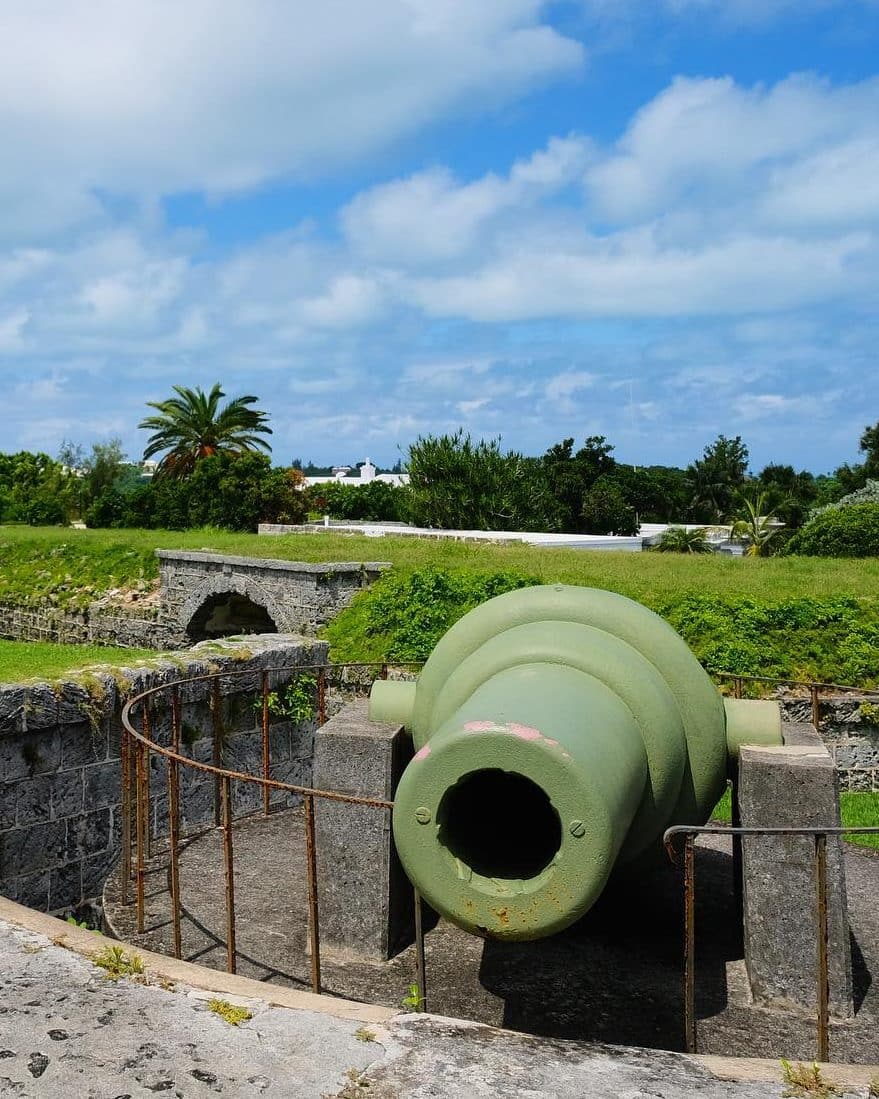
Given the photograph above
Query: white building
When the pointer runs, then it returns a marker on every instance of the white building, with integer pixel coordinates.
(342, 476)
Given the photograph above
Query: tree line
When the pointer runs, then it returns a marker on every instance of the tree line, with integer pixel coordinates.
(214, 469)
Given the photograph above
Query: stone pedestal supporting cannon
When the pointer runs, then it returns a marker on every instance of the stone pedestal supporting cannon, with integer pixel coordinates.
(558, 731)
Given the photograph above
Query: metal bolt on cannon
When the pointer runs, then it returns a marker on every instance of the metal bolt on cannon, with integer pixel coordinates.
(558, 731)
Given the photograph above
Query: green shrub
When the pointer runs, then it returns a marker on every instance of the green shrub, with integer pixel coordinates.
(403, 616)
(851, 531)
(376, 501)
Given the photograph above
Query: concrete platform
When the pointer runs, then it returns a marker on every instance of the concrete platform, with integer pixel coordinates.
(616, 976)
(66, 1030)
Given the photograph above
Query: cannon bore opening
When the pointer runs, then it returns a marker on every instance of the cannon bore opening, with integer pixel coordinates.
(500, 824)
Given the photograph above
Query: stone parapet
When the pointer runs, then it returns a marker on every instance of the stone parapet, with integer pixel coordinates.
(60, 797)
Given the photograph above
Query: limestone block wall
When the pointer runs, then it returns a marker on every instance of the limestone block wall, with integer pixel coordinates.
(849, 726)
(97, 623)
(298, 596)
(60, 798)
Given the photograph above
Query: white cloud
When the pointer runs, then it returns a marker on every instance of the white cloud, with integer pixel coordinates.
(703, 141)
(222, 95)
(431, 217)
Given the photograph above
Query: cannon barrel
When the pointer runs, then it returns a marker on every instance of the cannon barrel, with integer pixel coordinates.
(558, 731)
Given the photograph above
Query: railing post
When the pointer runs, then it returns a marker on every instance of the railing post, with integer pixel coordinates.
(176, 719)
(174, 851)
(420, 966)
(125, 776)
(266, 750)
(738, 687)
(216, 744)
(148, 735)
(140, 821)
(689, 944)
(313, 913)
(823, 998)
(321, 696)
(226, 796)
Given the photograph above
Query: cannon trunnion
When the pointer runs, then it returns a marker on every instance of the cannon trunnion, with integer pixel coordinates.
(558, 731)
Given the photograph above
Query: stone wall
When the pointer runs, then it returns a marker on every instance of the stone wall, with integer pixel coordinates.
(849, 726)
(98, 623)
(60, 819)
(299, 597)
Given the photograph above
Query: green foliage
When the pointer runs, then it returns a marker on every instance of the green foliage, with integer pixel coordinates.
(403, 616)
(753, 524)
(224, 491)
(232, 1013)
(35, 489)
(413, 999)
(605, 510)
(294, 701)
(191, 427)
(806, 1081)
(716, 477)
(117, 963)
(683, 540)
(376, 501)
(456, 484)
(851, 531)
(570, 475)
(832, 640)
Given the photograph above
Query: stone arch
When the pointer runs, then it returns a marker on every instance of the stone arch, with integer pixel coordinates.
(224, 605)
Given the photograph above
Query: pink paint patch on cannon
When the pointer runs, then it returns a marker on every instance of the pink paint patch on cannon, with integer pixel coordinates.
(479, 726)
(524, 732)
(422, 753)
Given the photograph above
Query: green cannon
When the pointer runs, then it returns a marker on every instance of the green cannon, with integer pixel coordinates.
(558, 731)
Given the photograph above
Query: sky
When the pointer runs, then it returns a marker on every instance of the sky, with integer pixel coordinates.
(653, 220)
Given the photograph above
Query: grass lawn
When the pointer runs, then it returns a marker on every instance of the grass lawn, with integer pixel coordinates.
(22, 660)
(857, 808)
(75, 565)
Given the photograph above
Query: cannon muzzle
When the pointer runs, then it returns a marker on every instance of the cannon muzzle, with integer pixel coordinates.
(558, 732)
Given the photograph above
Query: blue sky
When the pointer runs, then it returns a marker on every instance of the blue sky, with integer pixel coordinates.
(656, 220)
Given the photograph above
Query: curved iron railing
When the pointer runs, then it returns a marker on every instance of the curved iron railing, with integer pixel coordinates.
(137, 746)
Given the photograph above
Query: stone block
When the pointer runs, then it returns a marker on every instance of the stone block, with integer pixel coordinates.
(365, 898)
(35, 847)
(87, 834)
(102, 785)
(793, 785)
(81, 744)
(11, 708)
(31, 890)
(40, 707)
(65, 886)
(33, 800)
(29, 754)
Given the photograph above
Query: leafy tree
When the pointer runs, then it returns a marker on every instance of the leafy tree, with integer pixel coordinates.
(570, 475)
(715, 478)
(191, 427)
(606, 511)
(788, 494)
(455, 483)
(376, 501)
(754, 524)
(869, 445)
(658, 494)
(682, 540)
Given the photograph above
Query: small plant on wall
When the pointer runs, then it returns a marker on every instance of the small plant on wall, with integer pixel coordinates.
(295, 701)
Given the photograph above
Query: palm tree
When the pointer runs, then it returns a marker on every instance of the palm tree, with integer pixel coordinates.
(754, 524)
(190, 427)
(682, 540)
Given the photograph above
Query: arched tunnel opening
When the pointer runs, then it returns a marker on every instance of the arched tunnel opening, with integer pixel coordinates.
(228, 614)
(500, 824)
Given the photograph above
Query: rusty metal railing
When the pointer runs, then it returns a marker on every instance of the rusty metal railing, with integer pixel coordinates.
(814, 687)
(136, 749)
(690, 832)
